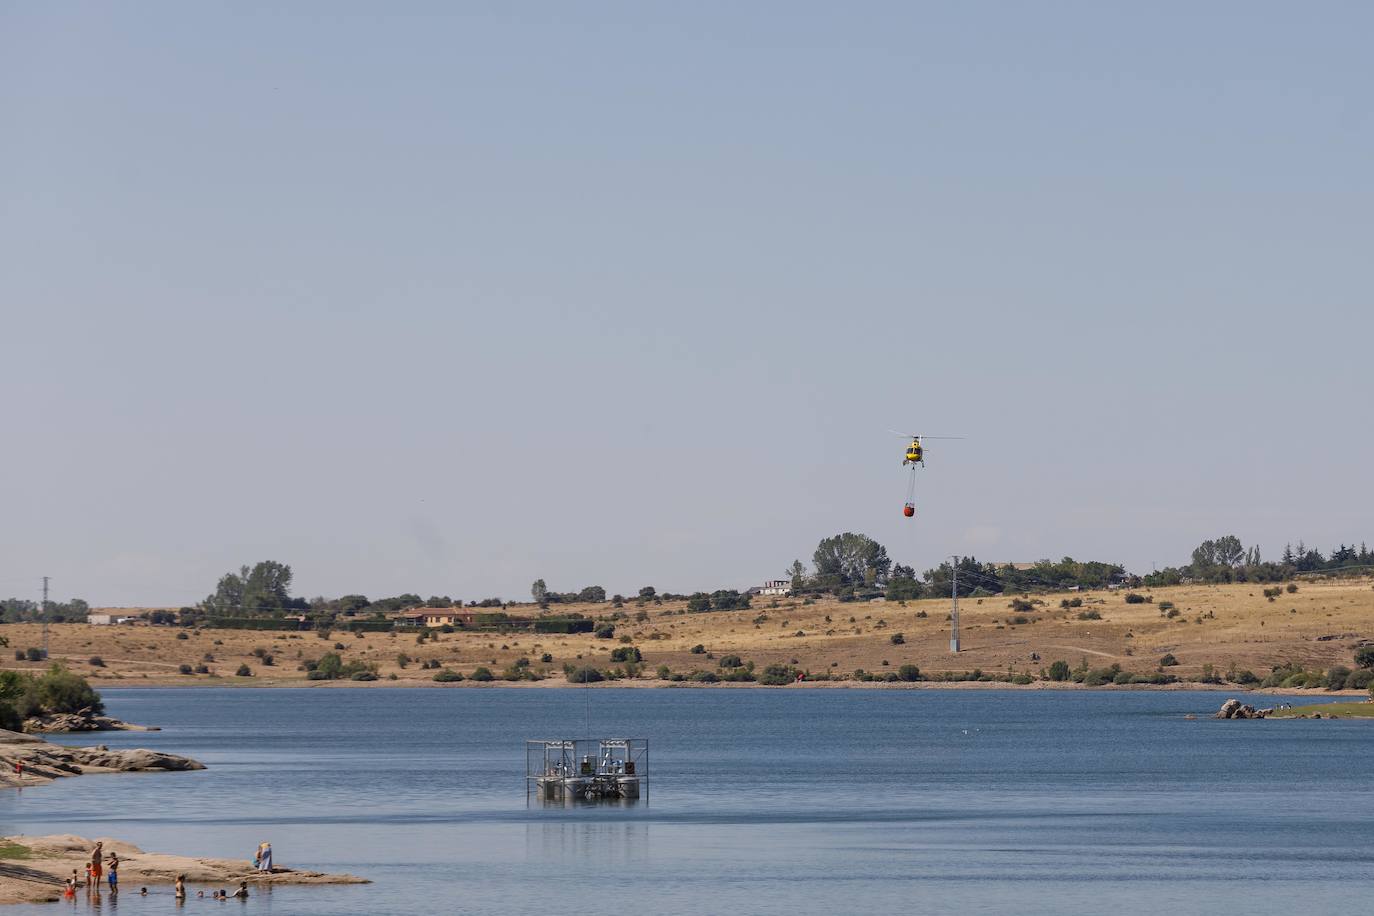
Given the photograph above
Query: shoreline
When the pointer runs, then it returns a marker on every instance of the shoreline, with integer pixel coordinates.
(651, 684)
(43, 761)
(36, 867)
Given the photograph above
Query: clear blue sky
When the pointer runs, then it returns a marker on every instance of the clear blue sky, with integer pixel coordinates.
(445, 297)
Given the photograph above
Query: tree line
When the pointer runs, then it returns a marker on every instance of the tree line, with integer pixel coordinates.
(1226, 559)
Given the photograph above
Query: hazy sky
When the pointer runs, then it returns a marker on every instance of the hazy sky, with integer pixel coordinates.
(446, 297)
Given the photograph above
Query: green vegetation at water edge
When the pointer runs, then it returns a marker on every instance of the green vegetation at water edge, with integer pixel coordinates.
(55, 690)
(14, 851)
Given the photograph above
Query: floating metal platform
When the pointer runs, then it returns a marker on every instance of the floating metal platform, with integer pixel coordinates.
(570, 770)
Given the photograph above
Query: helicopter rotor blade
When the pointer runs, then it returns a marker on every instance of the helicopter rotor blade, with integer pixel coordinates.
(916, 436)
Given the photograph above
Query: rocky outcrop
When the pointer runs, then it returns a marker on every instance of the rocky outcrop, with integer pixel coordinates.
(43, 762)
(85, 720)
(49, 859)
(1235, 709)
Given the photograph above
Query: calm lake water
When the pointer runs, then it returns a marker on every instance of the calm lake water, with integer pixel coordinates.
(761, 802)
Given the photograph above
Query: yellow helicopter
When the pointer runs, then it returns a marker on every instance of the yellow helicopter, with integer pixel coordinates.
(915, 454)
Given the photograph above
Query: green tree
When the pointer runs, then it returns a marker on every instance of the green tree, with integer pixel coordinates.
(850, 559)
(1059, 671)
(540, 592)
(797, 573)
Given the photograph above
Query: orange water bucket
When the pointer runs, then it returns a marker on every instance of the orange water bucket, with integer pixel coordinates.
(909, 510)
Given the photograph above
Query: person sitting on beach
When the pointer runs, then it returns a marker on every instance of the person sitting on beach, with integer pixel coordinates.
(242, 892)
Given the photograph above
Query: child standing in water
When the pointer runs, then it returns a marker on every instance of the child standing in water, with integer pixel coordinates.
(181, 887)
(114, 873)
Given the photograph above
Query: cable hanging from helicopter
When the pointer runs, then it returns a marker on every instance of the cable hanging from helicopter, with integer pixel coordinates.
(915, 455)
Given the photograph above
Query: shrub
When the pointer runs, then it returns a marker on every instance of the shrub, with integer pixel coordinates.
(244, 671)
(202, 669)
(33, 654)
(731, 661)
(705, 677)
(364, 675)
(909, 673)
(483, 673)
(546, 658)
(1099, 676)
(663, 673)
(626, 654)
(1090, 614)
(777, 675)
(1165, 606)
(95, 661)
(1071, 602)
(1059, 671)
(605, 631)
(1168, 660)
(1133, 598)
(445, 676)
(1022, 680)
(182, 635)
(1335, 677)
(1246, 677)
(1292, 587)
(897, 639)
(1360, 679)
(19, 655)
(402, 660)
(184, 669)
(328, 667)
(585, 675)
(698, 649)
(1173, 612)
(1364, 657)
(1021, 604)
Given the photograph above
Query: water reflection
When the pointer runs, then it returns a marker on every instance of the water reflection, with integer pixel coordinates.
(578, 843)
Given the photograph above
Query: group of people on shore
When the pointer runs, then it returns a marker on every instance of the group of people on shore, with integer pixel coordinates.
(108, 867)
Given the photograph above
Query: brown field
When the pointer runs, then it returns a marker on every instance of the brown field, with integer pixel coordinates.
(1220, 625)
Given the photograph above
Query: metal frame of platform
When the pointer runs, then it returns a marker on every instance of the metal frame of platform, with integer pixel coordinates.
(571, 770)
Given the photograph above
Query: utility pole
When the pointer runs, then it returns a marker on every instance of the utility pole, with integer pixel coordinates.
(954, 609)
(43, 615)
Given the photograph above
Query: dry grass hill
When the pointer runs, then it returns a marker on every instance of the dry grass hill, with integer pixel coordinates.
(1316, 626)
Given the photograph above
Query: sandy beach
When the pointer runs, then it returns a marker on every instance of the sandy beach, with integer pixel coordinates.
(33, 869)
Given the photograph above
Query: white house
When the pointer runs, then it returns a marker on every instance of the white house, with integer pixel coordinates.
(100, 620)
(776, 587)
